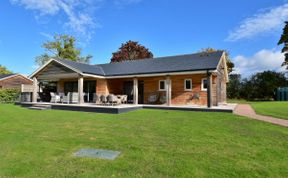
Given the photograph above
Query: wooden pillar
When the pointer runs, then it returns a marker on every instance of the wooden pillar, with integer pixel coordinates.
(35, 90)
(80, 89)
(209, 85)
(135, 91)
(168, 91)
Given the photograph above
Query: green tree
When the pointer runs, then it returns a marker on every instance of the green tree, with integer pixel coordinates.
(234, 86)
(284, 40)
(4, 70)
(62, 47)
(131, 50)
(230, 64)
(261, 86)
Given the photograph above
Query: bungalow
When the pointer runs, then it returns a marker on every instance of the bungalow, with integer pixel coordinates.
(13, 81)
(194, 79)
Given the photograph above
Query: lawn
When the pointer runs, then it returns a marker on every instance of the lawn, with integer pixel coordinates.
(276, 109)
(154, 143)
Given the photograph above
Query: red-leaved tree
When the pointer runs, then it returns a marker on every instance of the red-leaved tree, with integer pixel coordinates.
(131, 50)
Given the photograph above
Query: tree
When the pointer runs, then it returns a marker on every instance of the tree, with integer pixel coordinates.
(131, 50)
(4, 70)
(234, 86)
(261, 86)
(230, 64)
(62, 47)
(284, 40)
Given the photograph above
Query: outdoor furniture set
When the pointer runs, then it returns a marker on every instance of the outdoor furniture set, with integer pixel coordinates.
(72, 97)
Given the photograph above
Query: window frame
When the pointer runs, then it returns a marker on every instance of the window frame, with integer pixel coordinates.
(160, 85)
(202, 84)
(185, 86)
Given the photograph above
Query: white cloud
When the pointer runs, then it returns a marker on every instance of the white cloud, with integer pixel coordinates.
(47, 35)
(44, 7)
(262, 60)
(78, 12)
(262, 22)
(79, 21)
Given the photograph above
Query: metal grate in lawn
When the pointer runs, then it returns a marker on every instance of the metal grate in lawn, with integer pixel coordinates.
(97, 153)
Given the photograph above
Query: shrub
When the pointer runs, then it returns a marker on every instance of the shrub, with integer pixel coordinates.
(261, 86)
(9, 95)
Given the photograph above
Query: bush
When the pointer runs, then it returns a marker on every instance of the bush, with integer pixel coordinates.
(260, 86)
(9, 95)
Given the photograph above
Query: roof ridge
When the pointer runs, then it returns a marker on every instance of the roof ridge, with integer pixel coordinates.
(157, 58)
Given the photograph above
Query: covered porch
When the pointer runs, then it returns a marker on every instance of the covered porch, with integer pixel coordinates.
(157, 89)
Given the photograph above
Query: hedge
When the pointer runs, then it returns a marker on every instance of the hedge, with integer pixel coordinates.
(9, 95)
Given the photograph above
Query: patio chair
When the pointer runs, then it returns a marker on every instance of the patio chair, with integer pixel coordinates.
(54, 97)
(74, 97)
(124, 99)
(66, 98)
(103, 99)
(112, 99)
(196, 96)
(96, 98)
(162, 99)
(153, 98)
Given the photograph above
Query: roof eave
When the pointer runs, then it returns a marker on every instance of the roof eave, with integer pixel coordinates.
(57, 61)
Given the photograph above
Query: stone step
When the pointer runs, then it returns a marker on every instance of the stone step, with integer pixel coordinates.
(38, 108)
(42, 106)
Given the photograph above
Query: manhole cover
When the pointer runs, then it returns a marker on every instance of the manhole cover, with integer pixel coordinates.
(97, 153)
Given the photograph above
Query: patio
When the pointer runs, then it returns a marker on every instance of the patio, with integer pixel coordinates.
(122, 108)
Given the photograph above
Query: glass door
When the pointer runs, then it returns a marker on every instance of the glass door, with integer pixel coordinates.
(89, 90)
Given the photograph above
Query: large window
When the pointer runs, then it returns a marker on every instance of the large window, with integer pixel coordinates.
(204, 84)
(188, 85)
(162, 85)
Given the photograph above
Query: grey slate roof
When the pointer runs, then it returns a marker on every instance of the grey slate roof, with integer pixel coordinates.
(191, 62)
(5, 75)
(84, 68)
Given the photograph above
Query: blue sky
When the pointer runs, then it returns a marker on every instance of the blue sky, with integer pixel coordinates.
(249, 30)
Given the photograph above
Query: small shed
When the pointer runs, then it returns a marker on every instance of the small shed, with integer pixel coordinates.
(282, 94)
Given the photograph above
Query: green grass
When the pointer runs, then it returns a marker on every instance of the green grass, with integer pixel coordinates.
(154, 143)
(278, 109)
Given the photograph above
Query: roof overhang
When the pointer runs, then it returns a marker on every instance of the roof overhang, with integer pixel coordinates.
(204, 71)
(11, 76)
(159, 74)
(49, 62)
(223, 61)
